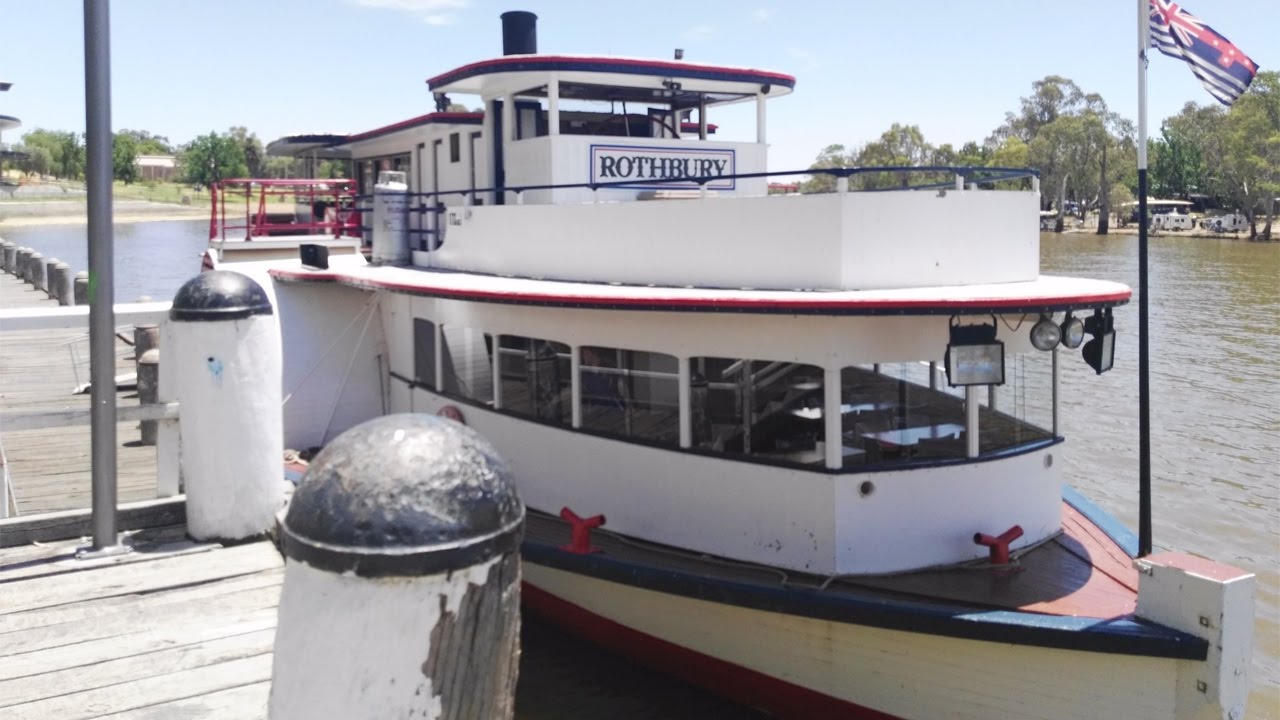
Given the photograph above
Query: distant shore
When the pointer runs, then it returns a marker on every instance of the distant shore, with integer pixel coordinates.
(75, 212)
(1132, 229)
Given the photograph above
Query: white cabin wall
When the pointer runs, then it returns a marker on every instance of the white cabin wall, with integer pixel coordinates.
(972, 237)
(313, 318)
(922, 517)
(855, 241)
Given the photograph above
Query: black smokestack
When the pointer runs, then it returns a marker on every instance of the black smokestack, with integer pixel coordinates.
(519, 33)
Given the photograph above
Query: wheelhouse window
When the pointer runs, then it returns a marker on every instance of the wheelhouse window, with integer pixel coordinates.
(535, 377)
(424, 352)
(630, 393)
(468, 363)
(770, 409)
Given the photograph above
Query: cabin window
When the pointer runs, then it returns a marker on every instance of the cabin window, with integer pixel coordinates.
(468, 363)
(896, 413)
(771, 409)
(536, 378)
(455, 147)
(424, 352)
(630, 393)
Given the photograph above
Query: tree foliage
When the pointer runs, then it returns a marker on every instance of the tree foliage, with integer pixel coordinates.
(124, 158)
(211, 158)
(1087, 154)
(148, 144)
(66, 151)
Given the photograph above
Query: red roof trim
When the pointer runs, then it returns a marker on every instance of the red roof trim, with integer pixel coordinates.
(803, 302)
(429, 118)
(606, 64)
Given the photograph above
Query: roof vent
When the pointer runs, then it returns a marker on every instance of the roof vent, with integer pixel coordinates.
(519, 33)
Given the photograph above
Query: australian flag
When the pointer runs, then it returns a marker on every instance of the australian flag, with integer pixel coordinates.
(1225, 71)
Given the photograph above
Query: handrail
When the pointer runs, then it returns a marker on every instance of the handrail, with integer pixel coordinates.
(971, 173)
(340, 192)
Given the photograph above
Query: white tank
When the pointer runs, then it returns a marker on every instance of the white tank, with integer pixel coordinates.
(391, 219)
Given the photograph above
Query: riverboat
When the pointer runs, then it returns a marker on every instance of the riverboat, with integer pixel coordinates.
(804, 450)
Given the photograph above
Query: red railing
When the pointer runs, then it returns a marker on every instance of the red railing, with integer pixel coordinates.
(299, 207)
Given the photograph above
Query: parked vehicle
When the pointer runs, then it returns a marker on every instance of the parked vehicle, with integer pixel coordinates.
(1235, 222)
(1172, 221)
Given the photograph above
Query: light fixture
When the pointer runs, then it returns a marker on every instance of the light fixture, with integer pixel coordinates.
(1045, 334)
(974, 356)
(679, 53)
(1100, 352)
(1072, 331)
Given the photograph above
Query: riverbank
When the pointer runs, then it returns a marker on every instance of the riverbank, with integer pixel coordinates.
(1197, 232)
(75, 212)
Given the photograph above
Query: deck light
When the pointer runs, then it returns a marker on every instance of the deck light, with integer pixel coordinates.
(974, 356)
(1072, 331)
(1100, 352)
(1045, 334)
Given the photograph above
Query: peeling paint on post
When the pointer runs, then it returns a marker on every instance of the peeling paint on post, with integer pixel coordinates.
(401, 590)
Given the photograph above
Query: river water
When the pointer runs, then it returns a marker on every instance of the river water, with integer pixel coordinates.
(1215, 411)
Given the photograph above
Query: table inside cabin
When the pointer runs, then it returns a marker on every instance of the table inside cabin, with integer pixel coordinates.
(815, 413)
(913, 435)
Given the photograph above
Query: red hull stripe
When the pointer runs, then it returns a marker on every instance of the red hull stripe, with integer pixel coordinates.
(512, 63)
(744, 686)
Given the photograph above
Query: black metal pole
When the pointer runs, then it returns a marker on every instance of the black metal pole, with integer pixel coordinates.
(98, 176)
(1144, 378)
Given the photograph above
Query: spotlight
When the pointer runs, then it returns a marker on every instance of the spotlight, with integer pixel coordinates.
(1045, 334)
(1100, 352)
(1072, 331)
(974, 356)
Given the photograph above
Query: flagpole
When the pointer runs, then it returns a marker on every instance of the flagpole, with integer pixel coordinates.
(1144, 380)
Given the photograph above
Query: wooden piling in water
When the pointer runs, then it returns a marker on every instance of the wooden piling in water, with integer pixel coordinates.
(80, 288)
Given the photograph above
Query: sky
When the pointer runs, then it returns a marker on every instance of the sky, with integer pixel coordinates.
(182, 68)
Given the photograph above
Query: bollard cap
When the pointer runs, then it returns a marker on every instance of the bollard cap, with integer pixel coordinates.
(404, 495)
(219, 295)
(150, 357)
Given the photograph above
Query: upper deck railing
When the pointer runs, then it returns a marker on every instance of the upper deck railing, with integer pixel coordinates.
(962, 176)
(331, 208)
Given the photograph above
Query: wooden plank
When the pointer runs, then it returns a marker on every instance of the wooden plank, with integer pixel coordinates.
(153, 603)
(53, 647)
(241, 640)
(67, 562)
(146, 692)
(138, 578)
(247, 702)
(67, 524)
(68, 417)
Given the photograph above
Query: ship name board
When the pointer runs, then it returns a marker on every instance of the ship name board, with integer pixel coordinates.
(646, 167)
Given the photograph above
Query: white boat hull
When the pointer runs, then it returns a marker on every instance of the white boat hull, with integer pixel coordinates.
(805, 667)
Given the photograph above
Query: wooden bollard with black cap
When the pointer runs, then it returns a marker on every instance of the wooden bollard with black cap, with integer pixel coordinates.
(225, 348)
(401, 589)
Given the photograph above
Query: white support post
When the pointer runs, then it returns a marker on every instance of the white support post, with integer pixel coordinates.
(575, 385)
(553, 105)
(761, 134)
(971, 421)
(685, 392)
(842, 184)
(496, 365)
(1056, 431)
(168, 433)
(959, 182)
(832, 417)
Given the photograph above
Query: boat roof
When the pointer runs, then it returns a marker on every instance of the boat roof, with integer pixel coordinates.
(436, 118)
(600, 77)
(1045, 294)
(8, 122)
(307, 143)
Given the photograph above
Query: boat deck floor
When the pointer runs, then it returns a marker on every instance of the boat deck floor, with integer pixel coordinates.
(1081, 572)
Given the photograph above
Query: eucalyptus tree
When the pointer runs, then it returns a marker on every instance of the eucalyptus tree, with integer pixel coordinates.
(1252, 136)
(899, 146)
(832, 156)
(1050, 99)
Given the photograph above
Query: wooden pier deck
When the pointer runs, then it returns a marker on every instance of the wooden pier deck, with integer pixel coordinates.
(50, 467)
(174, 629)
